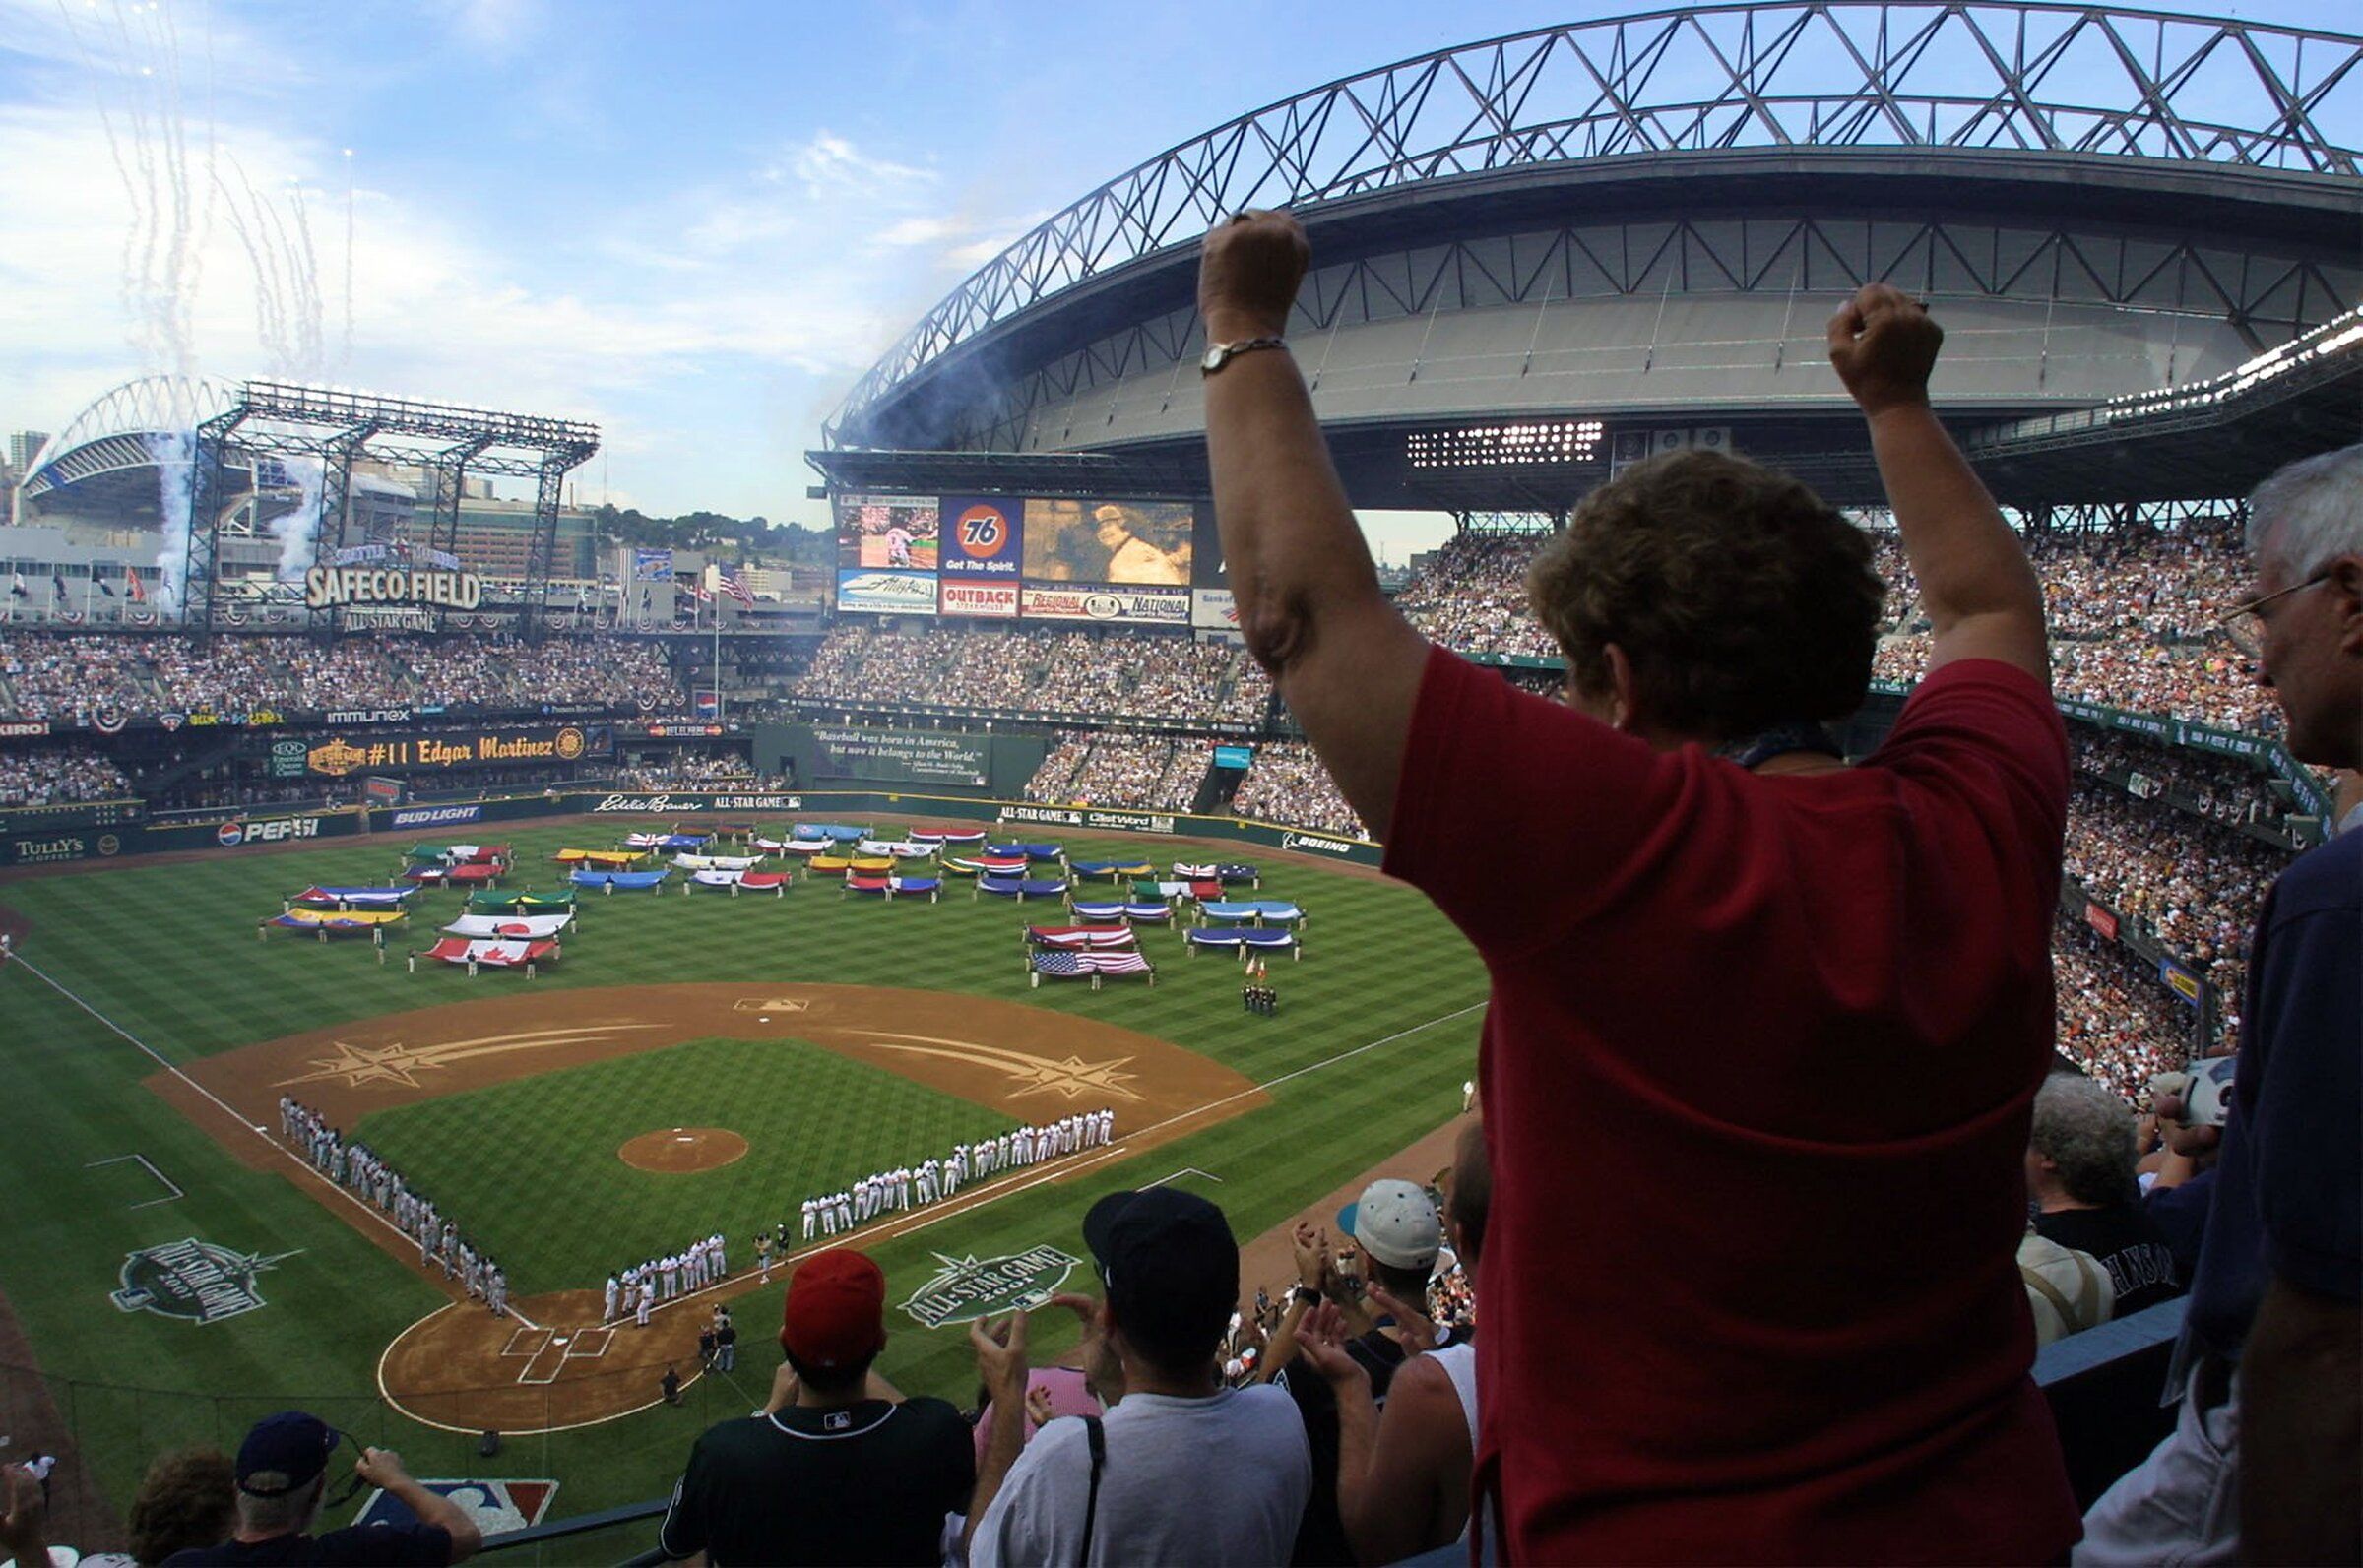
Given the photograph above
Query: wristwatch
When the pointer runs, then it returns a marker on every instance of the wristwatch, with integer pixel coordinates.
(1307, 1296)
(1219, 354)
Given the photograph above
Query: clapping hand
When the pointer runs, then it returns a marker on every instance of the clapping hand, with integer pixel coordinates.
(1321, 1339)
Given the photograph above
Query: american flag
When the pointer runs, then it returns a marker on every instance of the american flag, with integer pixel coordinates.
(1059, 961)
(735, 585)
(1113, 963)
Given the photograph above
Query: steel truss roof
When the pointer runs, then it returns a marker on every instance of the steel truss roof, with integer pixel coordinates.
(2037, 79)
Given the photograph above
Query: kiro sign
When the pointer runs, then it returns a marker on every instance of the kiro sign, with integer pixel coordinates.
(233, 834)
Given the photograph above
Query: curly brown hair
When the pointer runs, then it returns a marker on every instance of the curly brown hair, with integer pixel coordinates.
(1740, 599)
(188, 1500)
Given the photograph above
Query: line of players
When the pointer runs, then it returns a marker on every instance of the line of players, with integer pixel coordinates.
(933, 1180)
(353, 1167)
(636, 1290)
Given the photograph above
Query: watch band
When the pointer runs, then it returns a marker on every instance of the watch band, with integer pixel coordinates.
(1219, 354)
(1310, 1298)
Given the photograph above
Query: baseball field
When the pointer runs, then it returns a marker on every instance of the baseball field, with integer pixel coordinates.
(691, 1064)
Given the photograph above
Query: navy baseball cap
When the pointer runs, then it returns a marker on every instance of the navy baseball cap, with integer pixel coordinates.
(1170, 1266)
(284, 1453)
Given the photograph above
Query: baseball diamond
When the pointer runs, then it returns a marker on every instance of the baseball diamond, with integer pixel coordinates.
(833, 1035)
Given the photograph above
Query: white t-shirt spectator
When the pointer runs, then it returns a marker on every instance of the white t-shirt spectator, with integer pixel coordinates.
(1221, 1479)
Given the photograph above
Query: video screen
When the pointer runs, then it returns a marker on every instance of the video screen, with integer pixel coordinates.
(888, 532)
(1110, 541)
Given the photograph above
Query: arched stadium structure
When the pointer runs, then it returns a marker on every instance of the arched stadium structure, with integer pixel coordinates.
(1576, 239)
(104, 460)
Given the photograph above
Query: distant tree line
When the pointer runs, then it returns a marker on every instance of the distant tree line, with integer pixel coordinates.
(711, 532)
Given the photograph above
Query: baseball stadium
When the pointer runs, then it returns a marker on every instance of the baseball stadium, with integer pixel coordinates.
(454, 950)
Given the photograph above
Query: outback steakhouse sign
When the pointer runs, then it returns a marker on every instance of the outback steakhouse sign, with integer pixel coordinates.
(326, 586)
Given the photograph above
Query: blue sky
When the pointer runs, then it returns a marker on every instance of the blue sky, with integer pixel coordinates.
(693, 223)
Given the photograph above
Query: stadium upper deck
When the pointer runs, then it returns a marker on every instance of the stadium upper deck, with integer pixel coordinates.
(1538, 255)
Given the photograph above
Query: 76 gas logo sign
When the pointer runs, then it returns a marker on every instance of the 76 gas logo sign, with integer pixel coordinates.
(983, 537)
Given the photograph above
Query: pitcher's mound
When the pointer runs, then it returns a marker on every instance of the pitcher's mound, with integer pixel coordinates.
(677, 1150)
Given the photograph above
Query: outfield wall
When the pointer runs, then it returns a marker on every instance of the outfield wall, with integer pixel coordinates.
(88, 838)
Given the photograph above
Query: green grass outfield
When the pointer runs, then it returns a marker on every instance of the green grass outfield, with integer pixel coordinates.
(559, 1210)
(1378, 1030)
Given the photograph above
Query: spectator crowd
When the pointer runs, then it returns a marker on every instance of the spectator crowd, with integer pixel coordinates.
(1140, 772)
(77, 676)
(1287, 783)
(1039, 669)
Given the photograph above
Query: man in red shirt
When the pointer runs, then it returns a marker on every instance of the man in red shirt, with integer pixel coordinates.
(1765, 1028)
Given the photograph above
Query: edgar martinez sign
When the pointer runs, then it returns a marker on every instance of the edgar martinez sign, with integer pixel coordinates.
(967, 1288)
(325, 586)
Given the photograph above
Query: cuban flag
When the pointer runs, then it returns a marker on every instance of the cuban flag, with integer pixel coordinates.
(735, 585)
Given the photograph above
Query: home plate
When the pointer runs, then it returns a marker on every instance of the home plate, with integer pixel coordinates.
(561, 1338)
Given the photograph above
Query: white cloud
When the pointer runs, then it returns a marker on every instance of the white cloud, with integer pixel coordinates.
(830, 167)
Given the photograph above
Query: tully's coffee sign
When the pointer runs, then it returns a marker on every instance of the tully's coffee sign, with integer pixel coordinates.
(327, 587)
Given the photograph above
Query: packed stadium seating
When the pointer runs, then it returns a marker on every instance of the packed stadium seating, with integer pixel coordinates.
(1142, 773)
(52, 775)
(1288, 784)
(75, 676)
(1041, 671)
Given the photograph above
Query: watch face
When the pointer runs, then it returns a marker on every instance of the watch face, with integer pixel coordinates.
(1214, 357)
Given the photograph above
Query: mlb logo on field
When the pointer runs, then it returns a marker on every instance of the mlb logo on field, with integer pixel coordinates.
(494, 1505)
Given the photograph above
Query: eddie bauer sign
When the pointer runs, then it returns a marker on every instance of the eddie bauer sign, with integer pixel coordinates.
(325, 586)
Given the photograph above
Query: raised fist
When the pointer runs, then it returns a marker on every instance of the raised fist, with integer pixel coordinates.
(1248, 276)
(1884, 346)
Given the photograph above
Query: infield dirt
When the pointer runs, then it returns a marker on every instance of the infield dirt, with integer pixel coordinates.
(464, 1369)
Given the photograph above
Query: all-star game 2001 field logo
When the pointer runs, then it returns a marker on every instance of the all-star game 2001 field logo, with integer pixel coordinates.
(968, 1288)
(193, 1281)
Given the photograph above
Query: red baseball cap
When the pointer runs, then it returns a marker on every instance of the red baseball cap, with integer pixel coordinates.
(836, 1313)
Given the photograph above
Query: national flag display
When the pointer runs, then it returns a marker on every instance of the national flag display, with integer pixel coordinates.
(735, 585)
(131, 581)
(695, 590)
(16, 587)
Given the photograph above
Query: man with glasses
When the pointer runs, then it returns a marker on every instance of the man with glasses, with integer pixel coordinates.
(2264, 1463)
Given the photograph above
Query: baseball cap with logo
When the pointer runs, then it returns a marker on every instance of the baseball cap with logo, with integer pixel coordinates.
(836, 1312)
(1170, 1266)
(283, 1453)
(1395, 1223)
